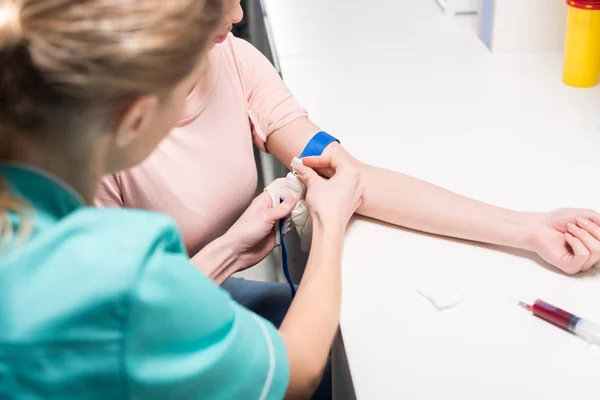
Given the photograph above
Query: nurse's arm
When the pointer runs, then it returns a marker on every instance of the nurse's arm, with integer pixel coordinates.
(311, 322)
(217, 260)
(402, 200)
(185, 337)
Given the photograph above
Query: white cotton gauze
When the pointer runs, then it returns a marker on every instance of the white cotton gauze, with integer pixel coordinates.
(279, 190)
(442, 294)
(277, 193)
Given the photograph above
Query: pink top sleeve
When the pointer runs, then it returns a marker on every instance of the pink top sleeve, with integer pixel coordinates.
(109, 193)
(271, 105)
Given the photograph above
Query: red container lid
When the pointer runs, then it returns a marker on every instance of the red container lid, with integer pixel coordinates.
(585, 4)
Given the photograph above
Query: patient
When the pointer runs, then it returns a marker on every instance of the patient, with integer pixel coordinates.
(204, 174)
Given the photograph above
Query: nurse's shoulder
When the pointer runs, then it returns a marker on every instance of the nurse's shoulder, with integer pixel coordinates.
(125, 237)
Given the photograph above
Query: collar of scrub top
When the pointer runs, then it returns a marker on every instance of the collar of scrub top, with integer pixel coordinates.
(314, 147)
(41, 189)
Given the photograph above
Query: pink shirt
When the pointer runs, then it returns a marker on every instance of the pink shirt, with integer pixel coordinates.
(204, 174)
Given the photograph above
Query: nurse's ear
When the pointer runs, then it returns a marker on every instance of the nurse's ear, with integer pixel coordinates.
(136, 119)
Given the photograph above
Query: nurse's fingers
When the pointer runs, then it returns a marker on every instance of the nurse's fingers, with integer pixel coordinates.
(580, 255)
(319, 162)
(307, 174)
(326, 172)
(261, 200)
(282, 210)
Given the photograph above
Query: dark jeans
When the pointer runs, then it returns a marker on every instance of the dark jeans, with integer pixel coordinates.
(271, 300)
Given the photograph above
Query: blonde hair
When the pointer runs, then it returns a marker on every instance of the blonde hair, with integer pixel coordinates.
(68, 67)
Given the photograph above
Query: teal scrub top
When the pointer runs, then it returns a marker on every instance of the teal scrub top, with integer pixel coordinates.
(105, 304)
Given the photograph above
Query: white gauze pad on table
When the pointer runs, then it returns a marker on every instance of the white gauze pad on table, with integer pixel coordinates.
(442, 294)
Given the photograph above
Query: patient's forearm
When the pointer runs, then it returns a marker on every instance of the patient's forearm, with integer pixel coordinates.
(406, 201)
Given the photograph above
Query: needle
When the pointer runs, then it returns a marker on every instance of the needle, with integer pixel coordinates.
(521, 303)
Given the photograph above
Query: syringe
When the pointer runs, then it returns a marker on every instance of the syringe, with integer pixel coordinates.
(585, 329)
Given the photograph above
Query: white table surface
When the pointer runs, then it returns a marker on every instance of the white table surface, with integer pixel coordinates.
(406, 88)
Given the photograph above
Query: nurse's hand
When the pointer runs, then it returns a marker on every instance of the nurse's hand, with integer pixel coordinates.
(333, 153)
(333, 200)
(253, 234)
(568, 239)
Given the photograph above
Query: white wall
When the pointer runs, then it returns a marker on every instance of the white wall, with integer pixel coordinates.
(459, 6)
(525, 26)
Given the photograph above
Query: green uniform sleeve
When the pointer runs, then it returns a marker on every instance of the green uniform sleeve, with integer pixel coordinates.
(187, 339)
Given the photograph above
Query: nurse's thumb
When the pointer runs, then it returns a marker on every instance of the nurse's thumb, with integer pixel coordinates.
(282, 210)
(306, 174)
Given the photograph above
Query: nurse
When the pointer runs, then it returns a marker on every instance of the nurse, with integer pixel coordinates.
(106, 303)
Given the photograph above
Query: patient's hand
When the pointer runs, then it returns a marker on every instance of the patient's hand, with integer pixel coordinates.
(253, 234)
(568, 239)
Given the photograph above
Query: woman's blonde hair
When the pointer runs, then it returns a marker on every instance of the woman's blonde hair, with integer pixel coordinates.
(68, 67)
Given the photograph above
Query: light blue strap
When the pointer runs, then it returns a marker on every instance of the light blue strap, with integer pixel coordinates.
(315, 147)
